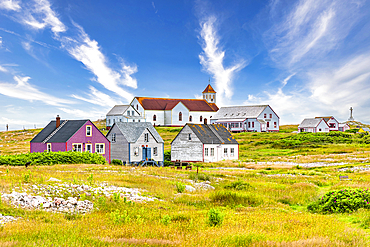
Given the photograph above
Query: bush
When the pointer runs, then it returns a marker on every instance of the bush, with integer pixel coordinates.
(168, 163)
(52, 158)
(239, 185)
(200, 177)
(341, 201)
(117, 162)
(235, 198)
(215, 217)
(180, 187)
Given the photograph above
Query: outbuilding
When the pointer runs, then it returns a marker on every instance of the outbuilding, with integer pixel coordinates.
(313, 125)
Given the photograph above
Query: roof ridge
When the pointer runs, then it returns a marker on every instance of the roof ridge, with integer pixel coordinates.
(216, 134)
(55, 131)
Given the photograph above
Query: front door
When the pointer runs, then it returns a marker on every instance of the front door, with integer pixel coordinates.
(205, 121)
(88, 148)
(147, 153)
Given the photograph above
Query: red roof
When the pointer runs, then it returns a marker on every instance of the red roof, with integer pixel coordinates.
(169, 104)
(209, 89)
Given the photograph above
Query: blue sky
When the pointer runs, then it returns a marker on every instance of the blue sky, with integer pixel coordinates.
(77, 59)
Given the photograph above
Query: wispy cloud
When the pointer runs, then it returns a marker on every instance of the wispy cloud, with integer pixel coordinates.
(93, 115)
(98, 98)
(310, 30)
(2, 69)
(25, 91)
(89, 53)
(212, 59)
(10, 5)
(40, 16)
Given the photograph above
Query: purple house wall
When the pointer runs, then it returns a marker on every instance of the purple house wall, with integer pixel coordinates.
(67, 135)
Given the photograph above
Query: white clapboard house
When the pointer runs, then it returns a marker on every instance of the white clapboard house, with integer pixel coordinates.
(204, 143)
(314, 125)
(122, 113)
(134, 142)
(177, 112)
(332, 123)
(259, 118)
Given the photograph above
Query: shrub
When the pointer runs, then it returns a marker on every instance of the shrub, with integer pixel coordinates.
(234, 198)
(117, 162)
(200, 177)
(341, 201)
(168, 163)
(215, 217)
(166, 220)
(180, 187)
(52, 158)
(119, 217)
(239, 185)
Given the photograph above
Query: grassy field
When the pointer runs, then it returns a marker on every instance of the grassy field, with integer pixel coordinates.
(263, 205)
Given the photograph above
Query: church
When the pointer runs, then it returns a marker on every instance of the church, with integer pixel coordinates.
(177, 112)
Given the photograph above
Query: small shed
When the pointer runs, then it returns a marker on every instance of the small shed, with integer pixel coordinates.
(135, 143)
(204, 143)
(364, 130)
(71, 135)
(343, 127)
(332, 123)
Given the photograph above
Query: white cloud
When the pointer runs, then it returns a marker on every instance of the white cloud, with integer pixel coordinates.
(98, 98)
(285, 81)
(2, 69)
(25, 91)
(27, 46)
(89, 53)
(310, 31)
(10, 5)
(93, 115)
(41, 15)
(212, 59)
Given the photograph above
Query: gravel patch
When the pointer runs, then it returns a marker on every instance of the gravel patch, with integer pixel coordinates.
(7, 219)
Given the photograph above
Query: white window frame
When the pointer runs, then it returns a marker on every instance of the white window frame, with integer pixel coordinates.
(232, 152)
(128, 113)
(100, 148)
(88, 130)
(48, 147)
(78, 145)
(189, 137)
(86, 150)
(225, 151)
(212, 152)
(136, 151)
(113, 137)
(206, 152)
(155, 151)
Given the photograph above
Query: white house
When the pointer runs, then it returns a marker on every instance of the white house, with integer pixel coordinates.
(313, 125)
(343, 127)
(204, 143)
(258, 118)
(332, 123)
(177, 112)
(133, 142)
(123, 113)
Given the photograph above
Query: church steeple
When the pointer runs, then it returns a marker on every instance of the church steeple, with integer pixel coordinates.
(209, 94)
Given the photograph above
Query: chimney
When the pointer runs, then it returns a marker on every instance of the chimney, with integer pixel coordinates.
(58, 121)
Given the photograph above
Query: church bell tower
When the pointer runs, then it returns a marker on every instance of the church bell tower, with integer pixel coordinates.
(209, 94)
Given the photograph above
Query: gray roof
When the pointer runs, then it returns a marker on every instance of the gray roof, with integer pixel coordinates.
(310, 122)
(366, 129)
(66, 130)
(118, 110)
(239, 112)
(133, 130)
(212, 133)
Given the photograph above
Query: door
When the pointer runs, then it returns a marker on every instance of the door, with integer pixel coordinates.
(205, 121)
(88, 148)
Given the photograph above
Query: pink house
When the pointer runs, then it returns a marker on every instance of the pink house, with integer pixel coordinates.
(71, 135)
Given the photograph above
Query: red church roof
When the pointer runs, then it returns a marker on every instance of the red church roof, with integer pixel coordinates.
(209, 89)
(169, 104)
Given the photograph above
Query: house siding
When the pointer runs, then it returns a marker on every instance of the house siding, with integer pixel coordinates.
(152, 143)
(219, 152)
(119, 148)
(185, 150)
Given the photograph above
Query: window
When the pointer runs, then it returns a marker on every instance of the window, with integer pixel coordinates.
(252, 124)
(225, 151)
(212, 152)
(190, 118)
(189, 137)
(137, 107)
(232, 152)
(133, 113)
(264, 115)
(249, 124)
(206, 152)
(154, 118)
(88, 130)
(136, 151)
(268, 124)
(128, 113)
(114, 120)
(332, 125)
(180, 116)
(77, 147)
(319, 129)
(48, 147)
(120, 119)
(275, 125)
(99, 148)
(88, 148)
(114, 137)
(133, 120)
(108, 121)
(155, 151)
(146, 137)
(270, 115)
(201, 118)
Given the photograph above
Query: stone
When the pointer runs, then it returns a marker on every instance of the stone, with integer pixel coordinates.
(189, 188)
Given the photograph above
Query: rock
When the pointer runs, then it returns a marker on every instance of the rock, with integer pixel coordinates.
(189, 188)
(54, 180)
